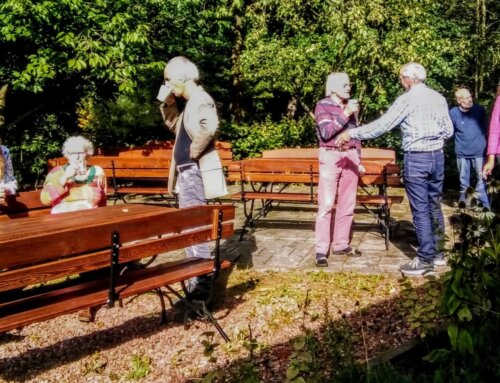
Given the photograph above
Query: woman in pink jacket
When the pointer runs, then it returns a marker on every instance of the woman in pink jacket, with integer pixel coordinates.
(493, 137)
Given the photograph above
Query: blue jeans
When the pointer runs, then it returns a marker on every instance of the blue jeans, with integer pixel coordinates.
(423, 177)
(464, 167)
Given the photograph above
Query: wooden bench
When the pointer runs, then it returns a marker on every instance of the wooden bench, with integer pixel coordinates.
(140, 170)
(37, 254)
(23, 204)
(270, 177)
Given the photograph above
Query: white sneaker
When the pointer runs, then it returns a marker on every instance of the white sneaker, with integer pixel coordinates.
(440, 261)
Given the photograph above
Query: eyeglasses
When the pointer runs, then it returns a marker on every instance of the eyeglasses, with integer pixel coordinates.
(77, 153)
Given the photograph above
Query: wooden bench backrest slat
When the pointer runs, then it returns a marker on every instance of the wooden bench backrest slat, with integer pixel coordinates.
(17, 278)
(96, 235)
(311, 153)
(107, 162)
(123, 156)
(160, 174)
(71, 299)
(23, 201)
(386, 155)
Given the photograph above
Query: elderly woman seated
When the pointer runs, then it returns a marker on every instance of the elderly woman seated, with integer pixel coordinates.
(75, 186)
(8, 184)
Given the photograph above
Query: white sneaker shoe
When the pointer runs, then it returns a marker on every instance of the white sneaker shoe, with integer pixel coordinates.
(440, 261)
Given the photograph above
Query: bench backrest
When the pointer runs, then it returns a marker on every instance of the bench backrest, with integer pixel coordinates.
(62, 251)
(23, 204)
(149, 161)
(375, 154)
(297, 170)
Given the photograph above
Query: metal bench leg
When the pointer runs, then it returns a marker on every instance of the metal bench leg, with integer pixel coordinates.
(163, 314)
(386, 216)
(201, 310)
(248, 217)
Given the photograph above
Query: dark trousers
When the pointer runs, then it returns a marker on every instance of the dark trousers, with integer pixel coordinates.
(423, 177)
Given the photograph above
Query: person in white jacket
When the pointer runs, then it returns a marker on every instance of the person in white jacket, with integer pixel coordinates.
(195, 169)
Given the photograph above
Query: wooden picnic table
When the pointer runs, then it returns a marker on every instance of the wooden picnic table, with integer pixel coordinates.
(52, 247)
(68, 232)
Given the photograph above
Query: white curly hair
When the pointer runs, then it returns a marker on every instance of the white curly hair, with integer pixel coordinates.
(77, 144)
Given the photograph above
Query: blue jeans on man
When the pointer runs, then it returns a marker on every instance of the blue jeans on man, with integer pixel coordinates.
(423, 177)
(464, 167)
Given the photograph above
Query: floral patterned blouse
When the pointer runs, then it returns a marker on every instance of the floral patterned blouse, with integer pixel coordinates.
(74, 195)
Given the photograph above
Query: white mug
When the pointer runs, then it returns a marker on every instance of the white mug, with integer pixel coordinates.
(353, 104)
(164, 92)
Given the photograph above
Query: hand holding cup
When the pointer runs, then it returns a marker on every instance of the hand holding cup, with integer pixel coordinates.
(353, 106)
(164, 92)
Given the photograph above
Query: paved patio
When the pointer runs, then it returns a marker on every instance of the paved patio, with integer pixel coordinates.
(284, 240)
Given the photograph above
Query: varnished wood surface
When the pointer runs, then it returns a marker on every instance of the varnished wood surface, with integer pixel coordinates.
(28, 240)
(71, 299)
(367, 154)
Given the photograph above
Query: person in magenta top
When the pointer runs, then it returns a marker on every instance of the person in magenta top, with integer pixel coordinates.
(493, 137)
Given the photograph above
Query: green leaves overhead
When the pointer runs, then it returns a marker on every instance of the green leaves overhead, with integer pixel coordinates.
(60, 39)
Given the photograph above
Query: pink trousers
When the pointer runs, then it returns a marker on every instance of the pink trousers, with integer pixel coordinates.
(338, 178)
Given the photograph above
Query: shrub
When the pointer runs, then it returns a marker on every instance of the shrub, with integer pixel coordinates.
(249, 140)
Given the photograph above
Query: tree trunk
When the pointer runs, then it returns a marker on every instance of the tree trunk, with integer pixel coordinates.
(481, 34)
(291, 108)
(235, 106)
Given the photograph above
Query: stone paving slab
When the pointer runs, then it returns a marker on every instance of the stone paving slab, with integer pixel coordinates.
(284, 240)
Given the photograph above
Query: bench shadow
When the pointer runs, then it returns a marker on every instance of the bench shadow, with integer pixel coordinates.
(404, 238)
(338, 339)
(30, 363)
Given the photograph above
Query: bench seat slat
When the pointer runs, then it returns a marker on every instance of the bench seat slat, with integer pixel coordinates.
(95, 233)
(31, 275)
(142, 190)
(304, 197)
(49, 305)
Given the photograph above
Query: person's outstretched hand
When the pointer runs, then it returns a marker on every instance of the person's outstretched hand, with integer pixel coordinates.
(342, 138)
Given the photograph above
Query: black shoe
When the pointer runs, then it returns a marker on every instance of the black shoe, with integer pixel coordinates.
(321, 260)
(349, 251)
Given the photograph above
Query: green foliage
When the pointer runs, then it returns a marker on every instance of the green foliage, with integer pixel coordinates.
(101, 40)
(422, 306)
(140, 367)
(303, 364)
(471, 300)
(250, 140)
(264, 61)
(31, 149)
(292, 46)
(209, 346)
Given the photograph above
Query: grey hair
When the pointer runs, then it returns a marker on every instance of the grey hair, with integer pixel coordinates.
(414, 71)
(330, 81)
(76, 143)
(183, 69)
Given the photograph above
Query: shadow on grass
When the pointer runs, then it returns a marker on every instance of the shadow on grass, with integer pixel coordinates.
(335, 351)
(32, 362)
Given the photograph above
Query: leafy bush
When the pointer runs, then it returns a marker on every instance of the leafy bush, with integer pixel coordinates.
(471, 298)
(249, 140)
